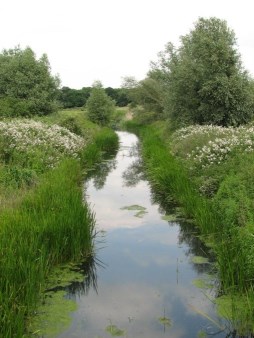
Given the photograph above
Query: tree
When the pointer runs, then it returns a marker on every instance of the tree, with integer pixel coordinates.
(99, 105)
(26, 85)
(118, 95)
(203, 80)
(70, 98)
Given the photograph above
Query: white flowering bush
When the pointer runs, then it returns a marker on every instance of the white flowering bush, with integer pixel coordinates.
(34, 142)
(207, 145)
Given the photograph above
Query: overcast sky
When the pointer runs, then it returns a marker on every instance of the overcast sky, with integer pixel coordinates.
(106, 40)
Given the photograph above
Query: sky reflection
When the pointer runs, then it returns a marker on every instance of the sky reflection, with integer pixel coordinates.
(148, 272)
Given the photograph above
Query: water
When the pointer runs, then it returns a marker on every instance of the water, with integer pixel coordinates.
(148, 270)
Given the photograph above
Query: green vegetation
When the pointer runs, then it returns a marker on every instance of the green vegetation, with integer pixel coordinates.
(26, 85)
(219, 197)
(44, 220)
(200, 82)
(114, 331)
(140, 211)
(99, 106)
(199, 154)
(193, 112)
(73, 98)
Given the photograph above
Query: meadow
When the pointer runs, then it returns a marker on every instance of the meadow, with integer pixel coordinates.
(44, 220)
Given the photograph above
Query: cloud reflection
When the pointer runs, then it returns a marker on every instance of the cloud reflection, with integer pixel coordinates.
(147, 266)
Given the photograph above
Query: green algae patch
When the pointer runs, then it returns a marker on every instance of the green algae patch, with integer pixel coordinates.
(114, 331)
(203, 283)
(133, 207)
(165, 321)
(141, 211)
(64, 275)
(199, 260)
(53, 316)
(202, 334)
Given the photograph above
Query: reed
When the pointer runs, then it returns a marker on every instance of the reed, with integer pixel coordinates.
(170, 179)
(50, 226)
(226, 219)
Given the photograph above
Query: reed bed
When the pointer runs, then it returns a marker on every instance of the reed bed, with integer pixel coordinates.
(50, 224)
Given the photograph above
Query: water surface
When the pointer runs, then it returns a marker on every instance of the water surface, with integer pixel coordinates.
(147, 271)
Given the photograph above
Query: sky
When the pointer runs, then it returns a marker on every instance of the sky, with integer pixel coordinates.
(107, 40)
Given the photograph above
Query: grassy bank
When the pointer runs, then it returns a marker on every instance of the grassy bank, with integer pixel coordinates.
(217, 192)
(44, 221)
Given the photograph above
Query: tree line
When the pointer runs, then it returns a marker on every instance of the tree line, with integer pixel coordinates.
(202, 81)
(70, 98)
(28, 88)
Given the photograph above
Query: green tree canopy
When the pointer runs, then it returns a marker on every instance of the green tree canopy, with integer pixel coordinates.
(26, 85)
(99, 105)
(203, 80)
(70, 98)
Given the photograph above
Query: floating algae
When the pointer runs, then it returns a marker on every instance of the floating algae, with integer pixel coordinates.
(114, 331)
(141, 211)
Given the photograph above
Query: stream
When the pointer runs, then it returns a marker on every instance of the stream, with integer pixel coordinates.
(143, 281)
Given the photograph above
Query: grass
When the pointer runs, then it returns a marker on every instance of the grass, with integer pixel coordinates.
(44, 221)
(50, 226)
(218, 197)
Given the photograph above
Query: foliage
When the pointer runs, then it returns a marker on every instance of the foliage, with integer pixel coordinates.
(70, 98)
(119, 95)
(169, 178)
(147, 93)
(224, 212)
(23, 141)
(49, 223)
(207, 145)
(99, 106)
(26, 85)
(203, 80)
(54, 226)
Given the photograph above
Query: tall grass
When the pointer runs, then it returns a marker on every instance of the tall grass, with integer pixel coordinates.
(169, 178)
(50, 225)
(226, 212)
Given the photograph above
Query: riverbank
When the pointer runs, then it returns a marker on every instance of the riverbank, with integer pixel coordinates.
(219, 200)
(44, 220)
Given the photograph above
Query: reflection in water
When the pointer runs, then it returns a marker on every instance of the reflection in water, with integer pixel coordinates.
(89, 269)
(148, 274)
(102, 169)
(134, 173)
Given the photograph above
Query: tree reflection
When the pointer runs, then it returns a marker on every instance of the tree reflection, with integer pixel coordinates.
(101, 170)
(189, 233)
(133, 174)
